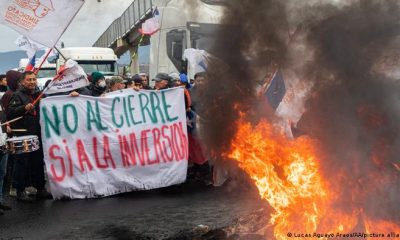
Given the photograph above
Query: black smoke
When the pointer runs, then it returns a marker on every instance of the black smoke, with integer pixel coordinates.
(353, 108)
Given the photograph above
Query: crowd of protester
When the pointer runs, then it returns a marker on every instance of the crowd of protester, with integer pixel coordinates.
(23, 175)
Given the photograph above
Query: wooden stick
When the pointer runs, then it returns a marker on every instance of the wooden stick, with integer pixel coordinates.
(19, 130)
(13, 120)
(44, 90)
(44, 59)
(59, 52)
(134, 54)
(268, 81)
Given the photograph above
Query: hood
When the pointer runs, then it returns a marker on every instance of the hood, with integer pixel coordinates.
(12, 79)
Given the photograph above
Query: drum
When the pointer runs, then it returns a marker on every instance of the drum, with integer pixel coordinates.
(23, 144)
(3, 142)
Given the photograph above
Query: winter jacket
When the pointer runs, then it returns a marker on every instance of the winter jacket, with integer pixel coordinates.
(12, 82)
(16, 108)
(92, 90)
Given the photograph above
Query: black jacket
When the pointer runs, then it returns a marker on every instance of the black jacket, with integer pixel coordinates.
(92, 90)
(16, 108)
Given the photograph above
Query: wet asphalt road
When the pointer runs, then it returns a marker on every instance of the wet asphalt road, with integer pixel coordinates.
(158, 214)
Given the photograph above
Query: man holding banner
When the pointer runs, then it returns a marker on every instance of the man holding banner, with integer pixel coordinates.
(25, 163)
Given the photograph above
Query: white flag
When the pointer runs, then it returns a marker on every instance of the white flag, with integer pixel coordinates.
(43, 21)
(51, 54)
(28, 45)
(198, 59)
(70, 77)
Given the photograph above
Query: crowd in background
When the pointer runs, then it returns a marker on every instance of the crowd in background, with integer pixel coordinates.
(23, 175)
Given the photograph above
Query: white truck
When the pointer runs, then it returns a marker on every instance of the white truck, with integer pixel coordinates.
(91, 59)
(183, 24)
(46, 72)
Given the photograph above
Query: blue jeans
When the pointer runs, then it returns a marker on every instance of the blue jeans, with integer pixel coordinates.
(3, 170)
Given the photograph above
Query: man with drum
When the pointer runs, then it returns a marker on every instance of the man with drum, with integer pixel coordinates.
(29, 162)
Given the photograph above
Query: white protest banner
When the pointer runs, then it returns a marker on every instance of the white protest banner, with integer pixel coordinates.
(69, 78)
(43, 21)
(125, 141)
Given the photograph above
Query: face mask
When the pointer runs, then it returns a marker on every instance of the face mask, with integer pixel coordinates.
(102, 84)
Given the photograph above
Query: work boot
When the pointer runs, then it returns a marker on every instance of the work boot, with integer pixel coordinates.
(4, 207)
(43, 194)
(23, 197)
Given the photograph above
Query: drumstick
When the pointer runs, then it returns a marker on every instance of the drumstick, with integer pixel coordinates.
(13, 120)
(19, 130)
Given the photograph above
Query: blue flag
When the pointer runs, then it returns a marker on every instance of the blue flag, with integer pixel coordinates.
(276, 90)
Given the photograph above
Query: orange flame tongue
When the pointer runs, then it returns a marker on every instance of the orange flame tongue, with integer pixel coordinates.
(286, 175)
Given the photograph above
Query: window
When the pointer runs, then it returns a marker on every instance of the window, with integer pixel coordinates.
(202, 35)
(46, 73)
(215, 2)
(106, 68)
(176, 44)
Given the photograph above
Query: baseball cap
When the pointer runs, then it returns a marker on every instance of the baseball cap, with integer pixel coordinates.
(162, 76)
(137, 79)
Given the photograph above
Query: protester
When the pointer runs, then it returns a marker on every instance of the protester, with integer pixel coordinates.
(12, 78)
(115, 84)
(145, 81)
(3, 83)
(128, 83)
(175, 80)
(3, 166)
(138, 81)
(97, 87)
(162, 81)
(21, 105)
(200, 164)
(195, 91)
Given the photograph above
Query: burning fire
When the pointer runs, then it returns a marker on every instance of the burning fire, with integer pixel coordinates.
(288, 175)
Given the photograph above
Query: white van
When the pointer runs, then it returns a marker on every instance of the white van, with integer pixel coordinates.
(91, 59)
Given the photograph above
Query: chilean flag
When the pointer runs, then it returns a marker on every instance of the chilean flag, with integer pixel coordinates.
(276, 90)
(31, 64)
(152, 25)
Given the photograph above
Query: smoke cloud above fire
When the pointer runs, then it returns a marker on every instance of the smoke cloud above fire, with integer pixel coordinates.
(343, 57)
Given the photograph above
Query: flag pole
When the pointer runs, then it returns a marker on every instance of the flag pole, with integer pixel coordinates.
(134, 54)
(44, 90)
(44, 59)
(268, 81)
(59, 52)
(52, 81)
(47, 87)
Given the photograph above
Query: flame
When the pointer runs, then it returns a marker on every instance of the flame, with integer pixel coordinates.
(288, 176)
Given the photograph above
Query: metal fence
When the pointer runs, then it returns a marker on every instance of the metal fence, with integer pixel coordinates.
(133, 15)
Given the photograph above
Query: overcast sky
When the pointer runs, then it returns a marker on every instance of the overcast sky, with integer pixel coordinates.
(92, 20)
